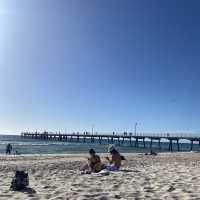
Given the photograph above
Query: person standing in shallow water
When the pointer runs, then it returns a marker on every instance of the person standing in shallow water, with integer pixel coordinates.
(8, 149)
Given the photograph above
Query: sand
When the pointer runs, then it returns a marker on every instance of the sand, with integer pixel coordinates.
(166, 176)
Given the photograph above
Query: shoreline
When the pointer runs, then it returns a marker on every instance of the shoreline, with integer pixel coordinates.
(85, 153)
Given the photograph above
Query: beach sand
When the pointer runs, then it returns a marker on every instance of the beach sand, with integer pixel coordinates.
(166, 176)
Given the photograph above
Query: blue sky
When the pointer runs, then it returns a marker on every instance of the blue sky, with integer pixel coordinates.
(65, 65)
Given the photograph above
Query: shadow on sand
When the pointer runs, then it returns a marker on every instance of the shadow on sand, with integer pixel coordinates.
(28, 191)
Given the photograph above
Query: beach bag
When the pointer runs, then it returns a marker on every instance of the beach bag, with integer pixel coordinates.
(20, 181)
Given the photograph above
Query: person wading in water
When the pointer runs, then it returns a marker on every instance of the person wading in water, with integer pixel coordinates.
(8, 149)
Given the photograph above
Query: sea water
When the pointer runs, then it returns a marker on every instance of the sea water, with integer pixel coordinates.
(33, 146)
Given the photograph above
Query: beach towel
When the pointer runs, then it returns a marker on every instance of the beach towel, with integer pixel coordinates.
(112, 168)
(103, 172)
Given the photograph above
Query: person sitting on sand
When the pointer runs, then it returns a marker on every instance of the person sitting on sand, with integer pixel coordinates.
(115, 160)
(93, 163)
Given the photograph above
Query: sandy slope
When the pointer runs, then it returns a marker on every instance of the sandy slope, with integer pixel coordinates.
(166, 176)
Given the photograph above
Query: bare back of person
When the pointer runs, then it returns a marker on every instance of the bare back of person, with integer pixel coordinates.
(95, 163)
(116, 160)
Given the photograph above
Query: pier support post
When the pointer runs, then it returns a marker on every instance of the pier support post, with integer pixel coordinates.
(159, 144)
(92, 139)
(119, 141)
(178, 146)
(151, 144)
(123, 140)
(136, 142)
(130, 141)
(99, 140)
(170, 145)
(144, 142)
(191, 146)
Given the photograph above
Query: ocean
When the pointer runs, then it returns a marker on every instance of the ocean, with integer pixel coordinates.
(31, 146)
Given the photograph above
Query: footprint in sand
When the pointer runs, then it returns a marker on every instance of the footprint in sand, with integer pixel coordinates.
(171, 188)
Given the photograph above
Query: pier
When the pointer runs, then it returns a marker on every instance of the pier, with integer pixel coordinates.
(139, 140)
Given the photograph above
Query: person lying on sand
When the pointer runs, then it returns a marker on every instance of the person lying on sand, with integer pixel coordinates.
(115, 159)
(93, 163)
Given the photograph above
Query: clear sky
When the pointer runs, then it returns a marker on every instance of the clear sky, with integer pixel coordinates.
(68, 64)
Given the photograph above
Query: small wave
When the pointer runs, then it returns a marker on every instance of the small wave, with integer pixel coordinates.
(32, 144)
